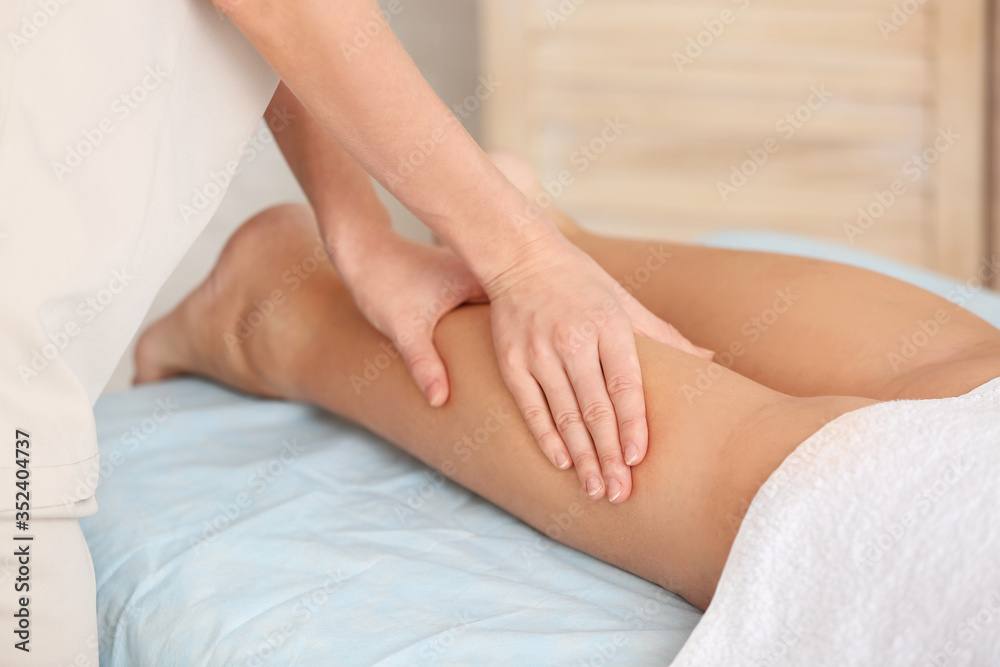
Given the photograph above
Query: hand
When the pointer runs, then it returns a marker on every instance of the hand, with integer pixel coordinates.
(403, 289)
(564, 331)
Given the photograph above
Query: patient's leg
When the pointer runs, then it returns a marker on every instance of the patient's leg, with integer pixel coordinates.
(705, 463)
(801, 326)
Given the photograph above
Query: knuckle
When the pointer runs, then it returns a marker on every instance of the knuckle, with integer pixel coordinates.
(621, 384)
(510, 358)
(538, 416)
(568, 421)
(421, 362)
(611, 460)
(540, 352)
(632, 424)
(599, 413)
(586, 461)
(569, 341)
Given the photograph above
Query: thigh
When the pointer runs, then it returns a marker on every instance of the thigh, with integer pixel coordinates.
(808, 327)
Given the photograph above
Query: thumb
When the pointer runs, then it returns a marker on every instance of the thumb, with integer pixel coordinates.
(427, 369)
(650, 326)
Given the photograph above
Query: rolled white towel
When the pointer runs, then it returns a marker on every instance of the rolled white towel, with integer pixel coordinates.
(877, 542)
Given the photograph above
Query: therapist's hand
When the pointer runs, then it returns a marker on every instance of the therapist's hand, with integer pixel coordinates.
(564, 332)
(403, 289)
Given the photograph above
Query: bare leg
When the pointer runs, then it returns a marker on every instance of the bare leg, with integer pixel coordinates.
(842, 330)
(706, 459)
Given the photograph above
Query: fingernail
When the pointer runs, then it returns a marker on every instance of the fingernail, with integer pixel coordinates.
(562, 461)
(593, 486)
(435, 394)
(615, 489)
(631, 453)
(708, 353)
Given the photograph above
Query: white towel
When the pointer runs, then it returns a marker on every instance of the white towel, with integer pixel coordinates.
(877, 542)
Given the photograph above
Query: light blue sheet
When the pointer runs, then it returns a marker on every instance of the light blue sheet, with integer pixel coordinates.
(237, 531)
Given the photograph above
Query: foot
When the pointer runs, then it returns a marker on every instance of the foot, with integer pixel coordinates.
(519, 172)
(224, 326)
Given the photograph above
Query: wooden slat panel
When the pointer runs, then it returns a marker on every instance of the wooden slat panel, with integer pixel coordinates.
(827, 24)
(500, 25)
(994, 132)
(686, 129)
(959, 216)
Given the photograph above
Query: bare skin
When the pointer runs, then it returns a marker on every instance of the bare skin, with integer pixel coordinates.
(709, 451)
(578, 384)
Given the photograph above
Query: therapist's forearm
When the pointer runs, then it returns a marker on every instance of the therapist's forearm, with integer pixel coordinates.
(348, 210)
(371, 98)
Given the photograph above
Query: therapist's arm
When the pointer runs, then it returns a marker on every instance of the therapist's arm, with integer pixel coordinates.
(563, 328)
(403, 288)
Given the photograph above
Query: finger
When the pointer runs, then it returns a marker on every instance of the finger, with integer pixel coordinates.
(588, 380)
(623, 376)
(569, 421)
(650, 326)
(427, 369)
(535, 410)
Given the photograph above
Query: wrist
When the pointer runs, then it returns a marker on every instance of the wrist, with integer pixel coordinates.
(522, 258)
(351, 241)
(516, 240)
